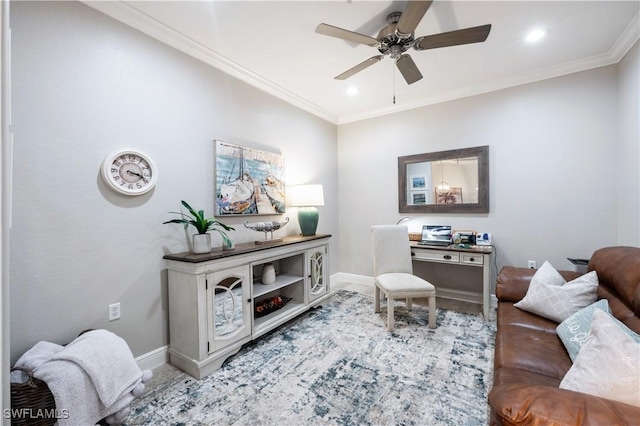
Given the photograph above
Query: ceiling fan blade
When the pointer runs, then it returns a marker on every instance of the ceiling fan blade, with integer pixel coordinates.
(453, 38)
(408, 69)
(343, 34)
(411, 17)
(362, 65)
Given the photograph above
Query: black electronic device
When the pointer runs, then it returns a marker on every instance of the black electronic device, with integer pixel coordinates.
(435, 235)
(464, 237)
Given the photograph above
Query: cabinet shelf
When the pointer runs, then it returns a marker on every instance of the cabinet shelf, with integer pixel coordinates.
(284, 280)
(267, 322)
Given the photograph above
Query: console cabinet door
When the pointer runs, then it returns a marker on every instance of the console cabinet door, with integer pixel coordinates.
(317, 282)
(228, 294)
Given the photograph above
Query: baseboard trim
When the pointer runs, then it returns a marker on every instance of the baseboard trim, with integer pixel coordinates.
(154, 359)
(352, 278)
(341, 277)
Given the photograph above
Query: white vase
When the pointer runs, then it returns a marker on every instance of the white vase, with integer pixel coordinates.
(268, 273)
(201, 243)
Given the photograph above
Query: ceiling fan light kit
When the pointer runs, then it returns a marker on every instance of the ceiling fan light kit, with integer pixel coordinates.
(398, 36)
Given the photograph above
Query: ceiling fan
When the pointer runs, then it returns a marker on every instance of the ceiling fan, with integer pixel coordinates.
(397, 37)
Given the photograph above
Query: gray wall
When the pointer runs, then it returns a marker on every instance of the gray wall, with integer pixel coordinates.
(84, 85)
(628, 179)
(554, 167)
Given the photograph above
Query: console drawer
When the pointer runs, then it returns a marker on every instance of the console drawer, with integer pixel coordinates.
(436, 255)
(473, 258)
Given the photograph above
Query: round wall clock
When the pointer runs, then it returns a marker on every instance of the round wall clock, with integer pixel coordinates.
(129, 172)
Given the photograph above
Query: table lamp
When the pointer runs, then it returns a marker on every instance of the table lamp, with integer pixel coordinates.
(306, 198)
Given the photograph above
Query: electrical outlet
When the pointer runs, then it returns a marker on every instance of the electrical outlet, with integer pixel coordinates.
(532, 264)
(114, 311)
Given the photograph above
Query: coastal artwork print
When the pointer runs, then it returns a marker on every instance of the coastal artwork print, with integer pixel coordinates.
(248, 181)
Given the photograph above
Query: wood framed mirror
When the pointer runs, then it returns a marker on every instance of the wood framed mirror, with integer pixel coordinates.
(455, 181)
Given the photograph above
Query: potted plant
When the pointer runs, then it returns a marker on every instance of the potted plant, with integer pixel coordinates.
(202, 240)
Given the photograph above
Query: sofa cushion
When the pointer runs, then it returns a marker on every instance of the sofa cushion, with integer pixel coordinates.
(508, 314)
(608, 345)
(550, 296)
(574, 330)
(531, 350)
(507, 375)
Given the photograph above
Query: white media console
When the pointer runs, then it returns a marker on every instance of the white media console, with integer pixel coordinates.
(213, 296)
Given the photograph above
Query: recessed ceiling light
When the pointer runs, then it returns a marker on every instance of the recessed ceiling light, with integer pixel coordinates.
(535, 35)
(352, 91)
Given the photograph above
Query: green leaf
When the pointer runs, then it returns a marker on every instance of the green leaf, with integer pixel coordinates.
(199, 221)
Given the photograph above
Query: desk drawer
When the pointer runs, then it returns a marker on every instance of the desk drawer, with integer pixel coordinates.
(436, 255)
(472, 258)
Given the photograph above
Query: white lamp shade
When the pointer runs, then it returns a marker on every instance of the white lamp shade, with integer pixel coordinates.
(306, 195)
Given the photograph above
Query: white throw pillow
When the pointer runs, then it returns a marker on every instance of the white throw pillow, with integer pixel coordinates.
(550, 296)
(608, 364)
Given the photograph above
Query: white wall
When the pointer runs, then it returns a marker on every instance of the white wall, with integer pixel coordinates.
(85, 85)
(629, 153)
(553, 169)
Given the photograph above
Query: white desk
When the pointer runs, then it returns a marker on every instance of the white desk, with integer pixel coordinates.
(476, 256)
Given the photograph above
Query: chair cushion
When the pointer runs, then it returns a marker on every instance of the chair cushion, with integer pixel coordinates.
(399, 282)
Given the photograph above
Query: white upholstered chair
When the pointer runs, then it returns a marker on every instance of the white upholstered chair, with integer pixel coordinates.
(393, 271)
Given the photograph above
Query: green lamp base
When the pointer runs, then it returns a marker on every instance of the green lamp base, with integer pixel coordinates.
(308, 220)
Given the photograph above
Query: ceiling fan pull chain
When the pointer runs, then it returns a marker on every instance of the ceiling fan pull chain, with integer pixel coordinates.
(393, 71)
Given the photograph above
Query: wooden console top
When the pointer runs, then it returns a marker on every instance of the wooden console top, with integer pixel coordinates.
(242, 248)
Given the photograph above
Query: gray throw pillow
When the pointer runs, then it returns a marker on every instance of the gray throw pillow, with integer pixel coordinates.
(550, 296)
(574, 330)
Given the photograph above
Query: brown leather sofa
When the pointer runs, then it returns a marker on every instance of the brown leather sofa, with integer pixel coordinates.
(530, 360)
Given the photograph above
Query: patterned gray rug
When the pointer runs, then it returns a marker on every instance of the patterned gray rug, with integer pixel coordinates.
(339, 365)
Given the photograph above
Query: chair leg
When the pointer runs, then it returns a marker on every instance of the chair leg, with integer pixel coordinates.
(432, 312)
(391, 321)
(409, 304)
(376, 299)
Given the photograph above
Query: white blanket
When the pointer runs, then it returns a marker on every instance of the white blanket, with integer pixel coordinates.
(39, 353)
(107, 360)
(93, 377)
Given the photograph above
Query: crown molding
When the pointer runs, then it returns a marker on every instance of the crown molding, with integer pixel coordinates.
(625, 42)
(142, 22)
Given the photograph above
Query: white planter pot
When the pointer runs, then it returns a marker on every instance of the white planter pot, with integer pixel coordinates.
(230, 247)
(201, 243)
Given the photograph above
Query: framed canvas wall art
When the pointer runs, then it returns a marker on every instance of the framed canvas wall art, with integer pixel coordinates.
(248, 181)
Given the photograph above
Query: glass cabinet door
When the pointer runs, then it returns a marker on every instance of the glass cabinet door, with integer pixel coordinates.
(317, 283)
(229, 315)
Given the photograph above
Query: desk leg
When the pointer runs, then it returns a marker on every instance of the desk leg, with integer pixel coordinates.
(486, 285)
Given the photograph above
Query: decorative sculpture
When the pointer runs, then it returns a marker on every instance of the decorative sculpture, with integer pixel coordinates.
(267, 227)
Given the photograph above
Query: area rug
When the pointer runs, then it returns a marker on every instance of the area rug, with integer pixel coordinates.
(338, 365)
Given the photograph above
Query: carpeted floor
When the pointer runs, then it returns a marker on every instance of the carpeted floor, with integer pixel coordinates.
(340, 365)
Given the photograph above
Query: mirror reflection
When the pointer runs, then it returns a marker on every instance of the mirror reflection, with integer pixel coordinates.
(446, 181)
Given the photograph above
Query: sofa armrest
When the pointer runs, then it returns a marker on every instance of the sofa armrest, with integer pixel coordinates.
(527, 404)
(512, 283)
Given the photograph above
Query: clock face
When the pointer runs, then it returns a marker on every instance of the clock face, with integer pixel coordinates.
(129, 172)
